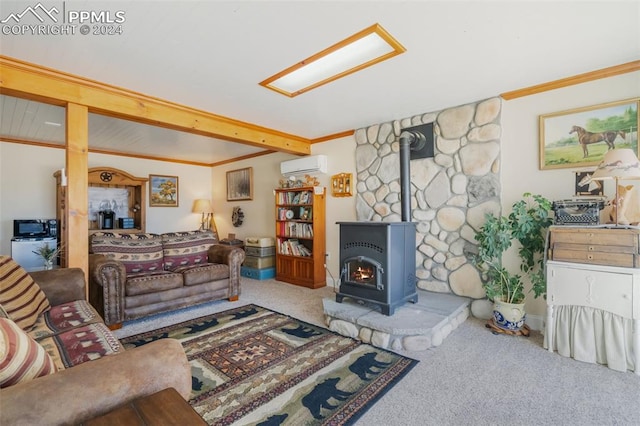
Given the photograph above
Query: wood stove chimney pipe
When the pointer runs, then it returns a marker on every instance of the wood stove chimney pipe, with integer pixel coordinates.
(409, 140)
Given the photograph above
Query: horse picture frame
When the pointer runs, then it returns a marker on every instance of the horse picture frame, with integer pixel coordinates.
(580, 137)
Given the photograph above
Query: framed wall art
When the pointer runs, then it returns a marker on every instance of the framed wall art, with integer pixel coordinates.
(580, 137)
(163, 191)
(240, 184)
(587, 187)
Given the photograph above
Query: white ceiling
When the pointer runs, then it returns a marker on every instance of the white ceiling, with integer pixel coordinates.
(211, 56)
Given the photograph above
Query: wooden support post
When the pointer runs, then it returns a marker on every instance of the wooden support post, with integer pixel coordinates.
(76, 231)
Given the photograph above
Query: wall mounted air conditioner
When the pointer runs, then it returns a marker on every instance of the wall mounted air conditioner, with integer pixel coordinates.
(304, 165)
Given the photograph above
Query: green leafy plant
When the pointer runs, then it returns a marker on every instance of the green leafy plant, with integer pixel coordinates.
(48, 252)
(527, 223)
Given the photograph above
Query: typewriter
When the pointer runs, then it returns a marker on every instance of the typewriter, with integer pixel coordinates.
(578, 211)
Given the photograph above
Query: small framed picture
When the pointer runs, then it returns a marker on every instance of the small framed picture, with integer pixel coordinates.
(163, 191)
(240, 184)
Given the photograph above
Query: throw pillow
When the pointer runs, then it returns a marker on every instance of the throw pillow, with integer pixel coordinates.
(21, 357)
(20, 296)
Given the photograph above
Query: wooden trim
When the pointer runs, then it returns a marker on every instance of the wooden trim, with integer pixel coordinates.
(243, 157)
(31, 81)
(333, 136)
(576, 79)
(29, 142)
(149, 157)
(109, 152)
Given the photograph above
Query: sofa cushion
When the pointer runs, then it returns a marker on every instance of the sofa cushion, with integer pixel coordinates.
(186, 248)
(152, 282)
(81, 344)
(198, 274)
(64, 317)
(21, 357)
(137, 252)
(20, 296)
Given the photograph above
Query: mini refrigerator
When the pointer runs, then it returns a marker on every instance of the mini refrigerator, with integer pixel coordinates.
(22, 251)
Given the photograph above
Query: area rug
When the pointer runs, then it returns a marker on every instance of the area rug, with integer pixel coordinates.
(254, 366)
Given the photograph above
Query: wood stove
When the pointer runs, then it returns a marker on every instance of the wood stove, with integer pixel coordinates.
(378, 263)
(379, 258)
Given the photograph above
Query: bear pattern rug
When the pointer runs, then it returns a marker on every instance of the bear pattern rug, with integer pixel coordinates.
(253, 366)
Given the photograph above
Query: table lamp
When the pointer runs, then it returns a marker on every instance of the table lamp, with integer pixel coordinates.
(618, 164)
(204, 207)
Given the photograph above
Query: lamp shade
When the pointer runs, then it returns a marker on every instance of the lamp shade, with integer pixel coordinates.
(618, 164)
(202, 206)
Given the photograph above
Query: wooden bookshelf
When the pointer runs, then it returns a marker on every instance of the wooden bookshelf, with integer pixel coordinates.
(300, 236)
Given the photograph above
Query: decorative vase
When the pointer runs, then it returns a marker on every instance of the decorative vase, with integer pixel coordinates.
(509, 316)
(48, 264)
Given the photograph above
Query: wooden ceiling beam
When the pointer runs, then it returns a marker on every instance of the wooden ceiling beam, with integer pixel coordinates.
(25, 80)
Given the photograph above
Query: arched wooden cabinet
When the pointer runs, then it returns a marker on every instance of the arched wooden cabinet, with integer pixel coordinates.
(109, 189)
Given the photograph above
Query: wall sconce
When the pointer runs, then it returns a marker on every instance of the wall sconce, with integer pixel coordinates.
(207, 221)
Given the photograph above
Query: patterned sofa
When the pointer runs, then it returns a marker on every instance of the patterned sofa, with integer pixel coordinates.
(136, 275)
(60, 364)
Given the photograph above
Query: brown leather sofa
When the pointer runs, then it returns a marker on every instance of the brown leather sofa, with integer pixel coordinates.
(136, 275)
(89, 387)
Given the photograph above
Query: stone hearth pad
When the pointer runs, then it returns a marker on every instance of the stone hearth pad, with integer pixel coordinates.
(413, 327)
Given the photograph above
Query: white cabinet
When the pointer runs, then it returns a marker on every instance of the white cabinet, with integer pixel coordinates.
(609, 288)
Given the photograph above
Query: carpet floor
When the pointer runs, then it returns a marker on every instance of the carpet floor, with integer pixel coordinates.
(254, 366)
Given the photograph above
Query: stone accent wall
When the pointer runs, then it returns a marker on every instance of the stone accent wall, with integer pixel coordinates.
(450, 193)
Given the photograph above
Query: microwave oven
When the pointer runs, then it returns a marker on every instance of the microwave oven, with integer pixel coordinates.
(35, 228)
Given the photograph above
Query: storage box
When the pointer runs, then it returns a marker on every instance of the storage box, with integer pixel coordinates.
(125, 222)
(260, 251)
(258, 274)
(577, 211)
(259, 242)
(259, 262)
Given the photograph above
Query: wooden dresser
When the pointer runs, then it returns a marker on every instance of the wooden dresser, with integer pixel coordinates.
(595, 246)
(597, 268)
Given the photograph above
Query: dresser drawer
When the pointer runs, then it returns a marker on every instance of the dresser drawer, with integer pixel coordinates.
(598, 236)
(594, 255)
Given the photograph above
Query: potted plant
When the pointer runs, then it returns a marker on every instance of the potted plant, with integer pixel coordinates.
(48, 254)
(527, 223)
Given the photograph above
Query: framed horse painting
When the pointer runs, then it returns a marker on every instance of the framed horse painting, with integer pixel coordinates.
(580, 137)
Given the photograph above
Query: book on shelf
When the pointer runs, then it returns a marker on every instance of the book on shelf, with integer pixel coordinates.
(293, 247)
